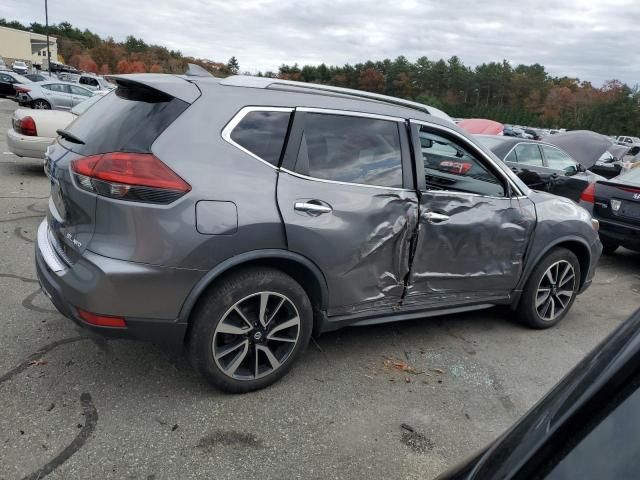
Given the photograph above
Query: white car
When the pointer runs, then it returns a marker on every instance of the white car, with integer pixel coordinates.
(34, 130)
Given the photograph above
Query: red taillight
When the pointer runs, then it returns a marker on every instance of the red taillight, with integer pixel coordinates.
(21, 89)
(26, 126)
(102, 320)
(129, 176)
(589, 194)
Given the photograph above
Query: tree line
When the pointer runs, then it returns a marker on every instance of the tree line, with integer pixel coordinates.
(522, 94)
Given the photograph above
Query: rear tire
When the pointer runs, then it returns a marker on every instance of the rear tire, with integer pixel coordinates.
(608, 247)
(550, 290)
(40, 105)
(249, 329)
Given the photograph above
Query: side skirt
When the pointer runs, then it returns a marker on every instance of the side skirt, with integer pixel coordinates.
(334, 323)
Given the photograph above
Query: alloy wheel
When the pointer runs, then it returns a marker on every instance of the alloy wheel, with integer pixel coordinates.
(256, 336)
(555, 290)
(40, 106)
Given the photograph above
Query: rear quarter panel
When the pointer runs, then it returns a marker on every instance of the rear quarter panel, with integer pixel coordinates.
(47, 121)
(166, 235)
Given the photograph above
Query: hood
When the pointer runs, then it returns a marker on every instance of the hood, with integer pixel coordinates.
(583, 145)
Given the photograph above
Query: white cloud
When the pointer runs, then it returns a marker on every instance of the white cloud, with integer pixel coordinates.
(593, 40)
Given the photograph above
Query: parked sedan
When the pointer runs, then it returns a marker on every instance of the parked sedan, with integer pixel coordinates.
(20, 67)
(8, 81)
(33, 131)
(585, 428)
(52, 94)
(542, 166)
(616, 205)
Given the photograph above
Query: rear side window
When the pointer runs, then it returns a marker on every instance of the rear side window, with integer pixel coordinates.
(128, 119)
(351, 149)
(527, 153)
(262, 134)
(57, 87)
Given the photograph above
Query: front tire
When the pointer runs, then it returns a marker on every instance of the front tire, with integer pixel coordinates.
(550, 290)
(249, 329)
(40, 105)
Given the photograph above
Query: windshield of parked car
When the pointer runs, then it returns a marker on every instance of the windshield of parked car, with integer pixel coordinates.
(632, 176)
(83, 106)
(20, 78)
(489, 142)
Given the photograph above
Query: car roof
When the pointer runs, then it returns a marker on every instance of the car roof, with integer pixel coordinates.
(327, 96)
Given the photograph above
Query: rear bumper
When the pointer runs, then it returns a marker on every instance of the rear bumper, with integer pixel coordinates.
(24, 146)
(148, 297)
(620, 233)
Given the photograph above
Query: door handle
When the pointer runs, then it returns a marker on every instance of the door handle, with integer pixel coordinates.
(312, 206)
(433, 217)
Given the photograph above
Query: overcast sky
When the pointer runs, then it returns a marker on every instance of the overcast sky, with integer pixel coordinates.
(594, 40)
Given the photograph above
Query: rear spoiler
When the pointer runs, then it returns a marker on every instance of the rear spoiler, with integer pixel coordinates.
(167, 84)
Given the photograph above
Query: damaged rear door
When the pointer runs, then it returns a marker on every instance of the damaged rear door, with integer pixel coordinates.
(346, 196)
(473, 230)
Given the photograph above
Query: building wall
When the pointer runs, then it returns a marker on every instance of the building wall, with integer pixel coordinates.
(26, 46)
(15, 44)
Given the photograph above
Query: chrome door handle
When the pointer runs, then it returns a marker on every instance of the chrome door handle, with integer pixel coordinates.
(433, 217)
(311, 207)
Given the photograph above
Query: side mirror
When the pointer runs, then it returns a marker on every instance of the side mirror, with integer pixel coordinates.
(581, 169)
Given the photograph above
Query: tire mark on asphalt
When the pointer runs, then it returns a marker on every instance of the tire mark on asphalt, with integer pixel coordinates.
(18, 277)
(28, 303)
(18, 233)
(32, 208)
(7, 220)
(37, 355)
(23, 196)
(91, 420)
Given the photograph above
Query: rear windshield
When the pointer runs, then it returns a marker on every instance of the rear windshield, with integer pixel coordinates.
(128, 119)
(489, 142)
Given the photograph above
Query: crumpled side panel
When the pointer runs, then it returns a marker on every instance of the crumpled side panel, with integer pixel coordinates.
(385, 253)
(479, 250)
(362, 246)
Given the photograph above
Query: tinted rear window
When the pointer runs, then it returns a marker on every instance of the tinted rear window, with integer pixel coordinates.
(263, 133)
(351, 149)
(126, 120)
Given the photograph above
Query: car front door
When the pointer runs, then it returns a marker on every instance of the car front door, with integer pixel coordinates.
(346, 196)
(79, 94)
(474, 225)
(58, 95)
(569, 181)
(525, 160)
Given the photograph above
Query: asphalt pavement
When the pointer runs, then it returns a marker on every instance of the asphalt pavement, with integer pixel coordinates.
(74, 407)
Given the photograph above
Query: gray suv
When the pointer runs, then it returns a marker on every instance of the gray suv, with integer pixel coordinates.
(239, 216)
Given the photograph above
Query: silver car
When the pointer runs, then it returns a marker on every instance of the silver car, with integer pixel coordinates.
(52, 94)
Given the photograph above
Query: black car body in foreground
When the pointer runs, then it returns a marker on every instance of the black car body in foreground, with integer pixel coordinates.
(542, 166)
(616, 205)
(587, 427)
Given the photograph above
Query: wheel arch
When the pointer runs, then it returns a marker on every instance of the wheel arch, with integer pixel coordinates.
(575, 244)
(300, 268)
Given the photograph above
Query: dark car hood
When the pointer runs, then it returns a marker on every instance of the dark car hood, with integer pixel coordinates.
(583, 145)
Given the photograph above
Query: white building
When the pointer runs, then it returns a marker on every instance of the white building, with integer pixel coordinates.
(26, 46)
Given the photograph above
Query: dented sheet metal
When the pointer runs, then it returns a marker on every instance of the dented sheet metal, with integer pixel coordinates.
(477, 252)
(362, 245)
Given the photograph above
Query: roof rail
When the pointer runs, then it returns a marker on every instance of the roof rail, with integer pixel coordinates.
(274, 83)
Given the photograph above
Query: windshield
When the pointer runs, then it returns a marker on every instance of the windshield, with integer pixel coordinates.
(21, 79)
(82, 106)
(488, 141)
(632, 176)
